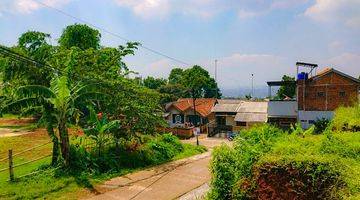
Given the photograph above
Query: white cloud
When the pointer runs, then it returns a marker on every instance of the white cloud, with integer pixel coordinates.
(27, 6)
(346, 12)
(235, 70)
(147, 8)
(245, 14)
(336, 46)
(346, 62)
(205, 8)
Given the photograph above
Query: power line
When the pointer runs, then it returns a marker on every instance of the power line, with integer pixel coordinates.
(111, 33)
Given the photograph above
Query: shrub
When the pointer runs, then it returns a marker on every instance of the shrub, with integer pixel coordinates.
(266, 163)
(320, 125)
(347, 118)
(135, 152)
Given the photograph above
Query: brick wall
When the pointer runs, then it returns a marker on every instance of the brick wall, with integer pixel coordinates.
(327, 92)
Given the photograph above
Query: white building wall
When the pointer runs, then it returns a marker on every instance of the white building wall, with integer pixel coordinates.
(307, 117)
(282, 108)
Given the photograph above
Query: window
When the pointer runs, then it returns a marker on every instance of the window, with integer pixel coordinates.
(311, 121)
(178, 119)
(342, 94)
(240, 123)
(320, 94)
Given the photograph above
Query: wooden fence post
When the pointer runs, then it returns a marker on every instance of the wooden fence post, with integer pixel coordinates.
(11, 169)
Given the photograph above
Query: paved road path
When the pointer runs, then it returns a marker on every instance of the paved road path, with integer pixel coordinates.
(168, 181)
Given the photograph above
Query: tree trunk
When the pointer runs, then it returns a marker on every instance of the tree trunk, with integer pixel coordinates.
(55, 141)
(65, 144)
(50, 130)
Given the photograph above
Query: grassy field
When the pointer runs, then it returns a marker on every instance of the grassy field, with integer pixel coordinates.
(51, 183)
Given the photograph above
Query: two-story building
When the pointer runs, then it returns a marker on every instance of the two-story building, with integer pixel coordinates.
(319, 95)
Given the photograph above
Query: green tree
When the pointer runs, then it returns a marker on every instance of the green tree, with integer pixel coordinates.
(80, 35)
(287, 90)
(175, 76)
(199, 82)
(59, 105)
(154, 83)
(172, 92)
(16, 73)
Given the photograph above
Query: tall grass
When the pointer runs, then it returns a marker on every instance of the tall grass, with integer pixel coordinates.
(347, 118)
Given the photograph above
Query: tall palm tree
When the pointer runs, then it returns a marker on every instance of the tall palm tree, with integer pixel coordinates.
(59, 104)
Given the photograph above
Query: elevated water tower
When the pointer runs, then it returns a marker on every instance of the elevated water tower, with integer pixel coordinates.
(305, 70)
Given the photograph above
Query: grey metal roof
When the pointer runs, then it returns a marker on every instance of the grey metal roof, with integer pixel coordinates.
(229, 101)
(226, 105)
(225, 108)
(251, 117)
(253, 107)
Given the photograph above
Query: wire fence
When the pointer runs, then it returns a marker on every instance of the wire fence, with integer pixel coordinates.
(88, 145)
(12, 166)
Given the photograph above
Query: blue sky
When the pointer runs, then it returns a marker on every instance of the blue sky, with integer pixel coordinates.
(263, 37)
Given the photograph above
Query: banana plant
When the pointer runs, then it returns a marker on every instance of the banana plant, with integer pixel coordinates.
(60, 104)
(99, 128)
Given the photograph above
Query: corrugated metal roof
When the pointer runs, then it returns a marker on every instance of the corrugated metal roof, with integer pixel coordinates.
(225, 108)
(229, 101)
(251, 117)
(253, 107)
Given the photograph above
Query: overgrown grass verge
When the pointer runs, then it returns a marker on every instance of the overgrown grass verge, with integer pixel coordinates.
(89, 169)
(267, 163)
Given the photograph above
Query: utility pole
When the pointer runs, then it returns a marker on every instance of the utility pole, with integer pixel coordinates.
(216, 69)
(217, 93)
(194, 104)
(252, 85)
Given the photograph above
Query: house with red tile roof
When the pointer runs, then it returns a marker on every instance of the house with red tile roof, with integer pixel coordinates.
(185, 112)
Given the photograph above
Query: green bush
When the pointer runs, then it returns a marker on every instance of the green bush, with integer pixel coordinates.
(320, 125)
(136, 152)
(267, 163)
(229, 165)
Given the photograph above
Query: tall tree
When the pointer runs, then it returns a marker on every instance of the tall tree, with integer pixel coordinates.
(287, 90)
(175, 76)
(80, 35)
(154, 83)
(198, 80)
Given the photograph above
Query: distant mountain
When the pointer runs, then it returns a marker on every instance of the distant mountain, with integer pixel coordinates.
(259, 91)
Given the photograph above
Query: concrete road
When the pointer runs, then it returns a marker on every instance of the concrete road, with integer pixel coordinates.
(169, 181)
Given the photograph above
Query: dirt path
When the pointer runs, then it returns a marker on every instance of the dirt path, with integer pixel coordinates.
(14, 127)
(169, 181)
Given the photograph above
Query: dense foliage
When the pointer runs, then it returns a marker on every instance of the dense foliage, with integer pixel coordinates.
(192, 82)
(286, 90)
(79, 64)
(81, 36)
(267, 163)
(137, 152)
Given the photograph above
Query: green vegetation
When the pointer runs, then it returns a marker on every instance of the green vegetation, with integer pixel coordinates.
(192, 82)
(286, 90)
(88, 168)
(347, 118)
(82, 85)
(268, 163)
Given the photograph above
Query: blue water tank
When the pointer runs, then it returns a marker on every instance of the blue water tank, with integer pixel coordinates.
(301, 76)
